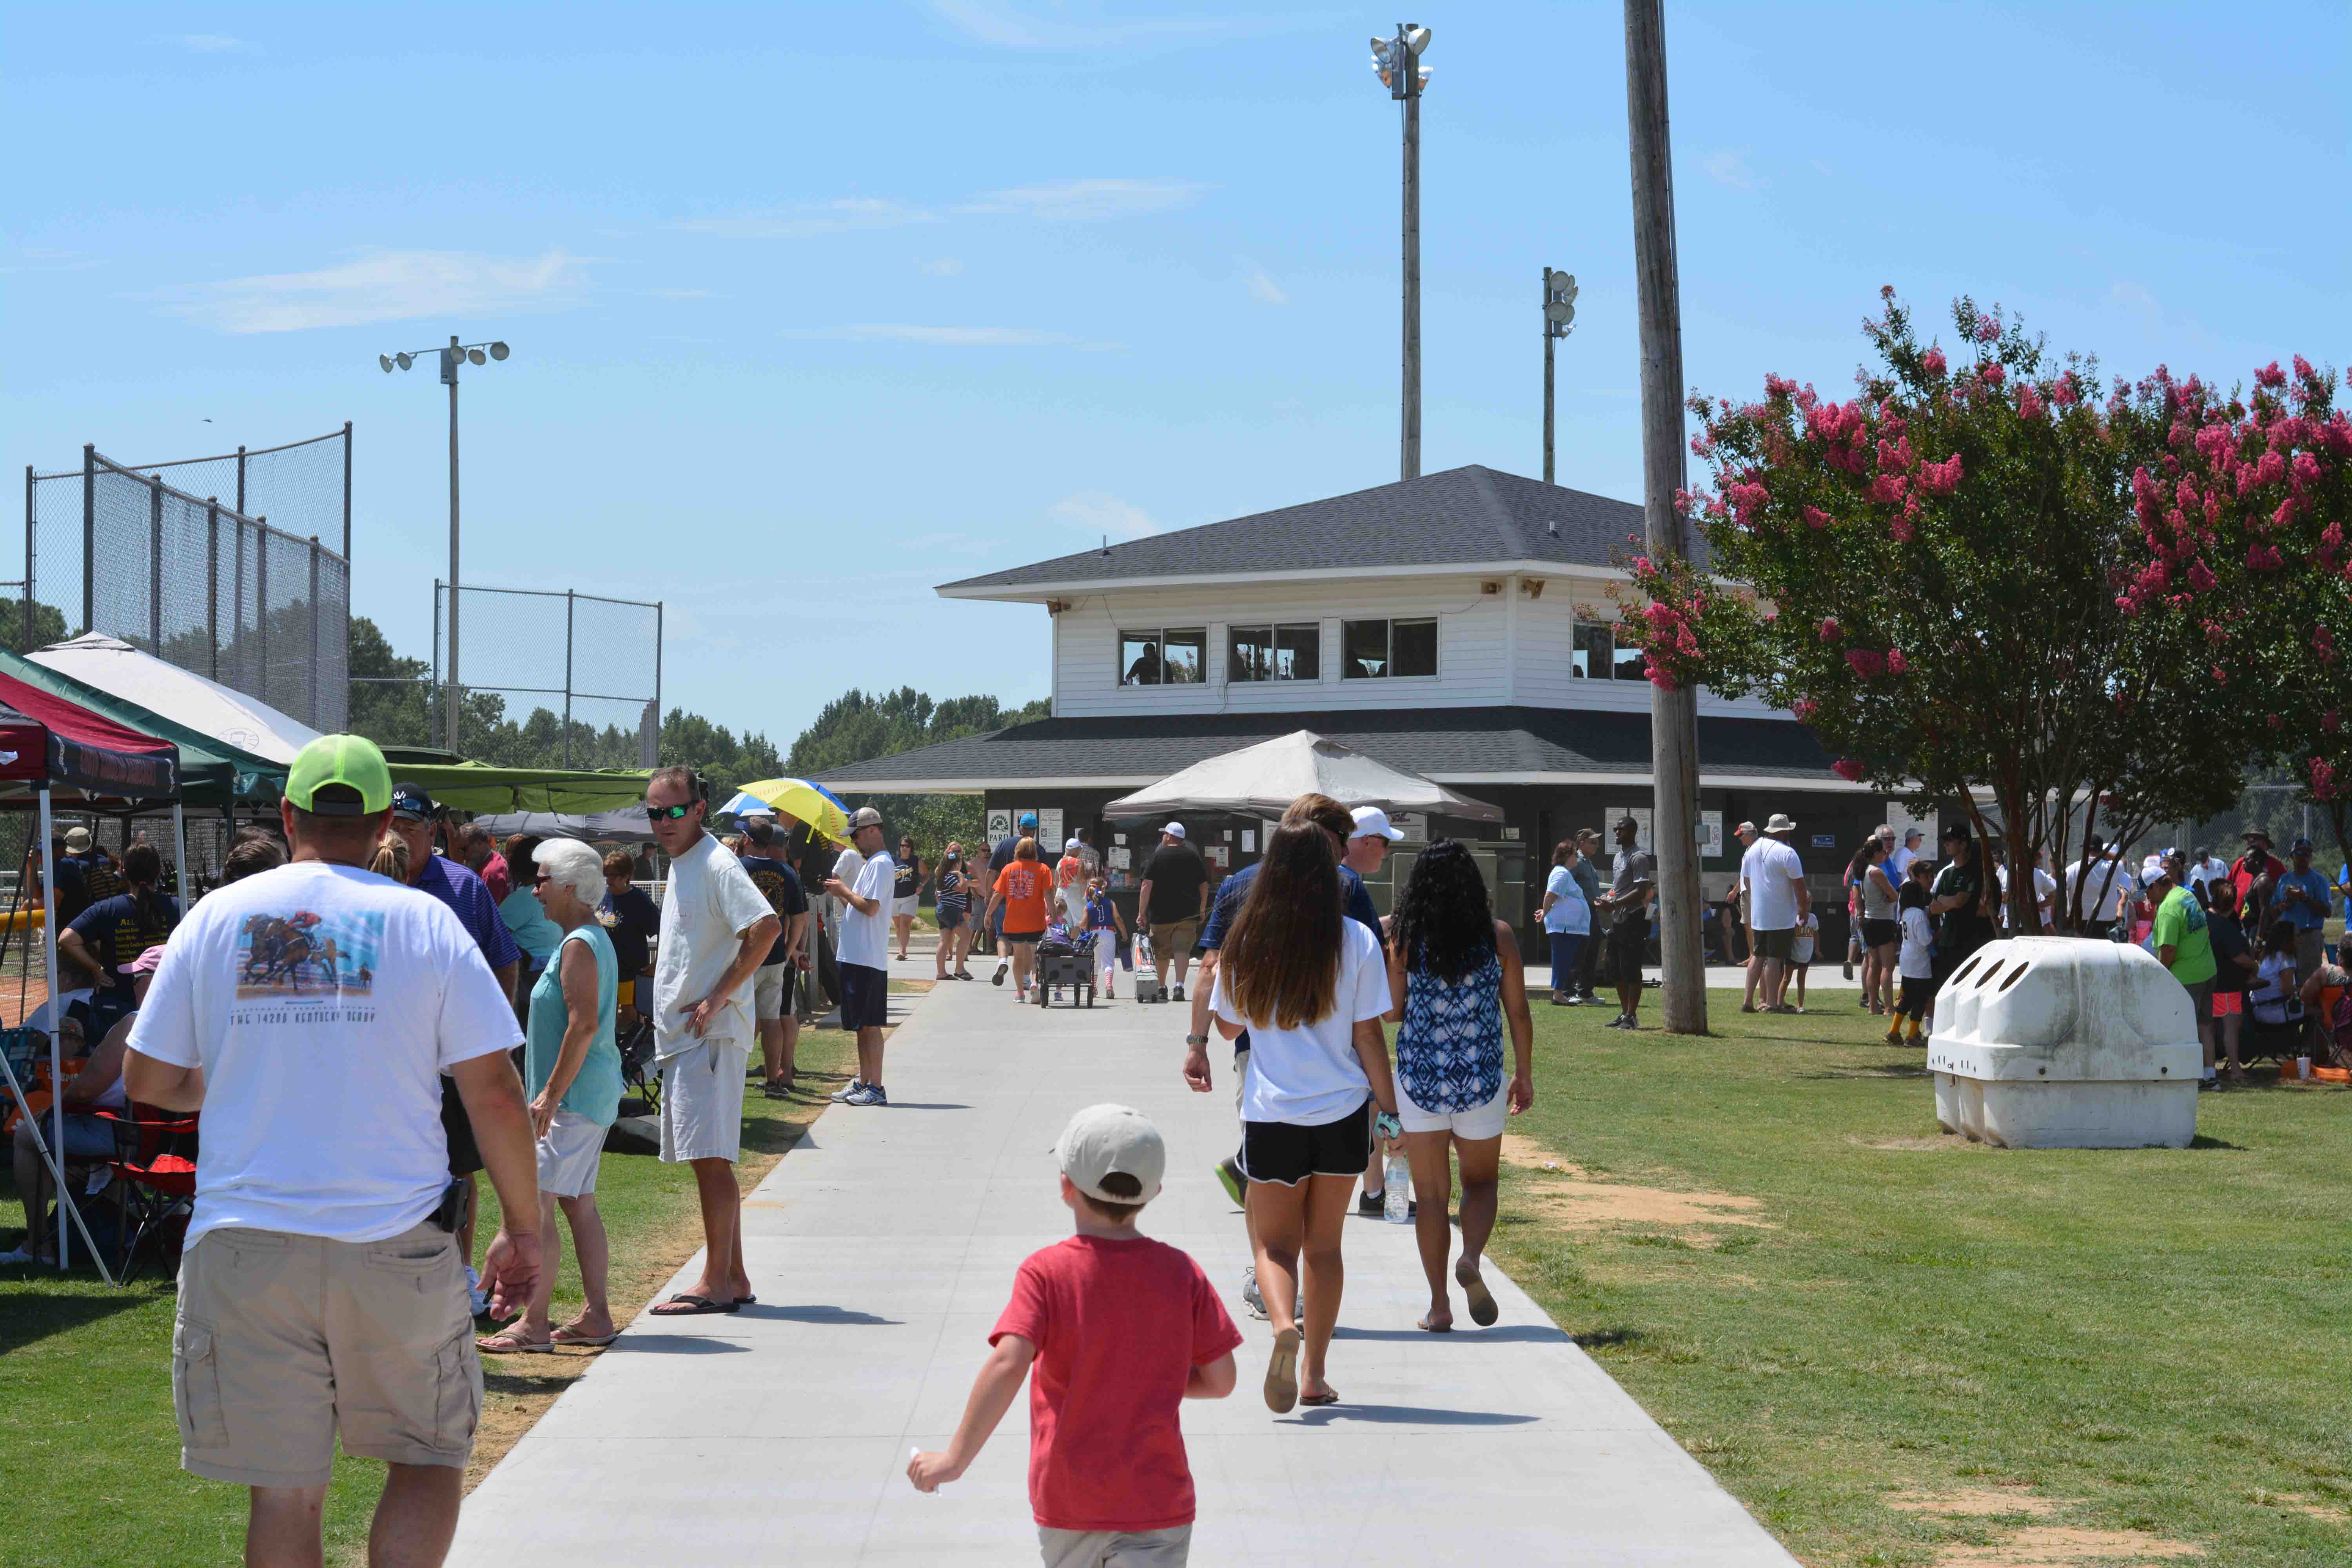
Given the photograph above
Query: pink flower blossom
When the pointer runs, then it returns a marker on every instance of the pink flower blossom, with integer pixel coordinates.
(2323, 643)
(2323, 778)
(1805, 708)
(1896, 663)
(1940, 479)
(1818, 518)
(1987, 329)
(1867, 663)
(1993, 374)
(2270, 376)
(1933, 361)
(2029, 403)
(1830, 631)
(2330, 722)
(2263, 558)
(2066, 391)
(1849, 770)
(1887, 488)
(2200, 577)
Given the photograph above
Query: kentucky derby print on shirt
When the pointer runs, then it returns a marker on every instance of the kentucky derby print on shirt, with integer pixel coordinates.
(301, 956)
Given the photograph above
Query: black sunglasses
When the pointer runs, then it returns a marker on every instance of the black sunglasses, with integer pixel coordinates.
(668, 813)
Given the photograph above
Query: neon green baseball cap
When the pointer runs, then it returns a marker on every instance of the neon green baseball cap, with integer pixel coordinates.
(349, 761)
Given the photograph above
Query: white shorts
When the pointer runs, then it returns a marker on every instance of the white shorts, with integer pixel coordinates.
(1473, 1125)
(702, 1101)
(904, 906)
(568, 1155)
(769, 991)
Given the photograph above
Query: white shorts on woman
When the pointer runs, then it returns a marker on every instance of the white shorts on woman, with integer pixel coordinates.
(904, 906)
(1473, 1125)
(568, 1154)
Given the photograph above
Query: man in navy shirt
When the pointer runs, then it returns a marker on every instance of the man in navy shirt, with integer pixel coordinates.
(414, 817)
(771, 984)
(1333, 820)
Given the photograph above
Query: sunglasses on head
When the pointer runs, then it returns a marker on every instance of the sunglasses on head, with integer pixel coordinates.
(667, 813)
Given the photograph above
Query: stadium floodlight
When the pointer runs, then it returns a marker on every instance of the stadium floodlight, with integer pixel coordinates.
(403, 360)
(499, 351)
(476, 355)
(1395, 61)
(1417, 39)
(385, 360)
(1559, 321)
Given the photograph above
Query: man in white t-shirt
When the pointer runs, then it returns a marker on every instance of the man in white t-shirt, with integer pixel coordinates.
(309, 1012)
(2104, 891)
(1777, 901)
(715, 928)
(866, 954)
(2045, 892)
(1898, 864)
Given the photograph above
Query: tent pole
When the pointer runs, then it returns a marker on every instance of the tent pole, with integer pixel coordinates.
(180, 853)
(57, 1015)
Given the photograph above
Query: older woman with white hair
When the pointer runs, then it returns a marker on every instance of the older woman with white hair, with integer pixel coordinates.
(572, 1068)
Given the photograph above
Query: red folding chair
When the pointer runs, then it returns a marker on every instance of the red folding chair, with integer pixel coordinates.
(154, 1170)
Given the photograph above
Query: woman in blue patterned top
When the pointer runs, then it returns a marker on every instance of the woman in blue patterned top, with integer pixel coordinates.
(1455, 974)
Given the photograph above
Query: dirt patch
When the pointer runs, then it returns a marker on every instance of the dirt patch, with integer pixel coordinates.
(2060, 1546)
(910, 987)
(1945, 1143)
(1975, 1503)
(1569, 1195)
(2310, 1508)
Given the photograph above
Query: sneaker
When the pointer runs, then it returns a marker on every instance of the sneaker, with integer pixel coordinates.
(869, 1094)
(475, 1293)
(847, 1092)
(777, 1091)
(1573, 1002)
(1236, 1185)
(1176, 993)
(1373, 1203)
(1251, 1298)
(1003, 967)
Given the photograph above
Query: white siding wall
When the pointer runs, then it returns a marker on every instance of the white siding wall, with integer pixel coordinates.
(1473, 663)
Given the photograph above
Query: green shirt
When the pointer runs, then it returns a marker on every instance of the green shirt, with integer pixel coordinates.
(595, 1092)
(2181, 926)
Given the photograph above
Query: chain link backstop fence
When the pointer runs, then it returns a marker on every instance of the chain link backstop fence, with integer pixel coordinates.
(164, 556)
(550, 679)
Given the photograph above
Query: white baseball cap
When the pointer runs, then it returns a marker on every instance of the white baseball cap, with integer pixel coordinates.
(1174, 830)
(1373, 822)
(1072, 844)
(1103, 1139)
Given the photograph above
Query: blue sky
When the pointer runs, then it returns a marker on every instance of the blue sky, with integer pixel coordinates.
(815, 307)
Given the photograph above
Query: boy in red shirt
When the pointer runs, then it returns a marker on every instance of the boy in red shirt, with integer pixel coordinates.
(1121, 1329)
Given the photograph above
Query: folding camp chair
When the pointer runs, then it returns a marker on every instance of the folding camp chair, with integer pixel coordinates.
(639, 1072)
(154, 1170)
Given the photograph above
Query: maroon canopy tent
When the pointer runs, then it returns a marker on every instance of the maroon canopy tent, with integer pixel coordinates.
(54, 749)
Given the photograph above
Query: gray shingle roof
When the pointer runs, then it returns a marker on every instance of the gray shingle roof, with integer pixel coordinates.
(1464, 516)
(1441, 743)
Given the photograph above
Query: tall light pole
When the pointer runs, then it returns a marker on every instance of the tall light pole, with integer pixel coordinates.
(1559, 320)
(1673, 715)
(1395, 60)
(456, 354)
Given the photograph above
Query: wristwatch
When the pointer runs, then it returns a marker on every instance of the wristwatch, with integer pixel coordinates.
(1196, 1039)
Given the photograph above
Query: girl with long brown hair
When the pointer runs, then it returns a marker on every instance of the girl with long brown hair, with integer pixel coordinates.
(1310, 987)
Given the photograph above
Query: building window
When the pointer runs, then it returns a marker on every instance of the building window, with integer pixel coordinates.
(1604, 653)
(1175, 656)
(1380, 650)
(1276, 653)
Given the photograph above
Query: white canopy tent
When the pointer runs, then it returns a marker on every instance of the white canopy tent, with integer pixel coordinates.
(1264, 779)
(179, 695)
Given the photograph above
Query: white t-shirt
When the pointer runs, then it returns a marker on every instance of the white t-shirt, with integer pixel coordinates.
(1809, 930)
(846, 866)
(1917, 961)
(865, 939)
(1570, 914)
(56, 1008)
(2103, 898)
(1311, 1075)
(2269, 997)
(324, 1003)
(711, 903)
(2045, 887)
(1772, 871)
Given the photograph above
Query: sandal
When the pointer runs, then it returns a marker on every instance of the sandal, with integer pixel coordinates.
(1319, 1399)
(1426, 1327)
(569, 1336)
(686, 1304)
(1483, 1310)
(508, 1342)
(1282, 1374)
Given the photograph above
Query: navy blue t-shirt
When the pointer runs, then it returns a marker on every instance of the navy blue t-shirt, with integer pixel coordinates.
(457, 886)
(782, 888)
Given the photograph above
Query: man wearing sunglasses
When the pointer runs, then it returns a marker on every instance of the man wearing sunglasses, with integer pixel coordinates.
(715, 928)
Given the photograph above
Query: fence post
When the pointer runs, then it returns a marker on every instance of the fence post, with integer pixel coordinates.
(29, 486)
(261, 592)
(89, 535)
(211, 583)
(347, 492)
(155, 567)
(240, 482)
(570, 602)
(237, 602)
(653, 762)
(313, 715)
(433, 698)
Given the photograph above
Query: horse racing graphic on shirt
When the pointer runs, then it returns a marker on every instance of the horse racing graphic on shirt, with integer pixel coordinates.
(303, 954)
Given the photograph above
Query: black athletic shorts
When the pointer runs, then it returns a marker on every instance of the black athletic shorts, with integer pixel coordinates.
(1022, 938)
(1881, 933)
(1623, 949)
(1285, 1153)
(1776, 943)
(865, 997)
(464, 1159)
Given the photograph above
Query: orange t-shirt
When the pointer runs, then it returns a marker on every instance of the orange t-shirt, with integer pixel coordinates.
(1022, 885)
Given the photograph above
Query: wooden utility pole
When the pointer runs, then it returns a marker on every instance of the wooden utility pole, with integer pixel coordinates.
(1673, 715)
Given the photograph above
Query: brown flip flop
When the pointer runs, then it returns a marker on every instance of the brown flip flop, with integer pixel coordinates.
(1483, 1310)
(1318, 1399)
(1282, 1374)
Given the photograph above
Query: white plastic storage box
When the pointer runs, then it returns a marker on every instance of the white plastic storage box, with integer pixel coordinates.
(2046, 1042)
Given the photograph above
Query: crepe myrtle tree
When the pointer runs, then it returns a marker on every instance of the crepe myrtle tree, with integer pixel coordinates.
(1946, 577)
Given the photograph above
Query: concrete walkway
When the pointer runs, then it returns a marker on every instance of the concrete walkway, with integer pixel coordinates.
(882, 1249)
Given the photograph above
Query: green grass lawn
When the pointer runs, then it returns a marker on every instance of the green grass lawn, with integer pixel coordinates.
(91, 1459)
(2144, 1340)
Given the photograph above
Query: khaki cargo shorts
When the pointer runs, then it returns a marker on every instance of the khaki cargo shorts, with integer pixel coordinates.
(285, 1340)
(1174, 938)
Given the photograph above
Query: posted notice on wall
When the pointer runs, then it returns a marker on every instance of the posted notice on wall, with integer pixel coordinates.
(999, 825)
(1050, 837)
(1644, 839)
(1249, 840)
(1710, 835)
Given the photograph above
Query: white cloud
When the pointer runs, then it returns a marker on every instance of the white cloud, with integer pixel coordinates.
(945, 267)
(954, 337)
(1729, 167)
(805, 220)
(1262, 286)
(1068, 201)
(1008, 27)
(215, 44)
(388, 286)
(1100, 512)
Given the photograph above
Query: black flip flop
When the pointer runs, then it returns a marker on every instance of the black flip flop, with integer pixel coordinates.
(686, 1304)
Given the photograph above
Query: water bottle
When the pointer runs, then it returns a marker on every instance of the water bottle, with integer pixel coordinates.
(1396, 1208)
